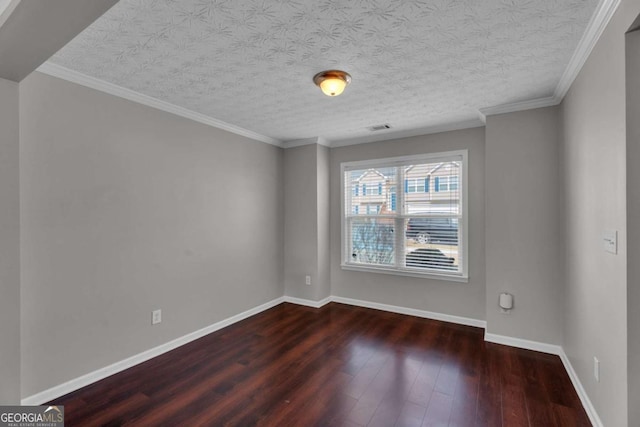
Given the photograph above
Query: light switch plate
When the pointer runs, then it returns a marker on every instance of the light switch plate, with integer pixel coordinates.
(610, 241)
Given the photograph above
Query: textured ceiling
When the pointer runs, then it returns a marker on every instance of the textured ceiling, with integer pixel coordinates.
(414, 63)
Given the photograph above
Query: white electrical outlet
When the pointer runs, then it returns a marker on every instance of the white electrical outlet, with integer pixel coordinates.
(307, 280)
(156, 317)
(596, 369)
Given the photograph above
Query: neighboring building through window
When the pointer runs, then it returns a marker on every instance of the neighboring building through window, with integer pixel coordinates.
(417, 230)
(416, 185)
(447, 183)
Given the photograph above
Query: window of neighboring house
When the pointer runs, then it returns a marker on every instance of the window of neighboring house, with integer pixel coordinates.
(373, 209)
(415, 185)
(364, 189)
(447, 183)
(416, 234)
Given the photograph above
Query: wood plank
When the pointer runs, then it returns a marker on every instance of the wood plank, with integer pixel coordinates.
(335, 366)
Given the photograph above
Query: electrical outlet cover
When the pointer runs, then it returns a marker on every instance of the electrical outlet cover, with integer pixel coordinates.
(156, 317)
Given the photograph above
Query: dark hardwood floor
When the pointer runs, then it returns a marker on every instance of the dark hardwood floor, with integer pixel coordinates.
(335, 366)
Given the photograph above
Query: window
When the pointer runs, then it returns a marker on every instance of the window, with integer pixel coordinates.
(409, 230)
(415, 185)
(447, 183)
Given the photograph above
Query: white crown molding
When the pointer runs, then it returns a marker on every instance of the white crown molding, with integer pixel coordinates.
(412, 312)
(307, 141)
(389, 135)
(6, 9)
(97, 375)
(302, 142)
(482, 117)
(519, 106)
(299, 142)
(595, 28)
(115, 90)
(598, 22)
(324, 142)
(582, 394)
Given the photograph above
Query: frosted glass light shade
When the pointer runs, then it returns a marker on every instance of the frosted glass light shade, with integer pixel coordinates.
(333, 87)
(332, 82)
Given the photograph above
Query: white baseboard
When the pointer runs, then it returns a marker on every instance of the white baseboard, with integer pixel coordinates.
(85, 380)
(412, 312)
(582, 394)
(97, 375)
(92, 377)
(520, 343)
(307, 302)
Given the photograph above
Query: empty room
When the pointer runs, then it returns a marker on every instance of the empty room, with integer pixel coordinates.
(320, 213)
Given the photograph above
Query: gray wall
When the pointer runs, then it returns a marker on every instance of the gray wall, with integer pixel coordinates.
(307, 222)
(9, 245)
(33, 30)
(323, 283)
(458, 299)
(126, 209)
(633, 222)
(300, 221)
(523, 224)
(594, 175)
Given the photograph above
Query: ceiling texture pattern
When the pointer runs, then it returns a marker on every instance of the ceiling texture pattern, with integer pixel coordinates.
(414, 63)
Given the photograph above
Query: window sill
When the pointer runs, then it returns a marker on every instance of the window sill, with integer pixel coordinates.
(408, 273)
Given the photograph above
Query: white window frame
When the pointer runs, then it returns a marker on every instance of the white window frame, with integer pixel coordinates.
(463, 221)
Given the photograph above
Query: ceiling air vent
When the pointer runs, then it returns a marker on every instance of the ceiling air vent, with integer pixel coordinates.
(379, 127)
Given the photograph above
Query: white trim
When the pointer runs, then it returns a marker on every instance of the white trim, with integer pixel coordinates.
(307, 141)
(521, 343)
(596, 26)
(482, 117)
(308, 302)
(407, 273)
(119, 91)
(599, 21)
(412, 312)
(582, 394)
(442, 156)
(387, 136)
(299, 142)
(519, 106)
(6, 9)
(97, 375)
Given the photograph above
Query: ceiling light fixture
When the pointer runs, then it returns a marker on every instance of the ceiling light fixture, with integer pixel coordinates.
(332, 82)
